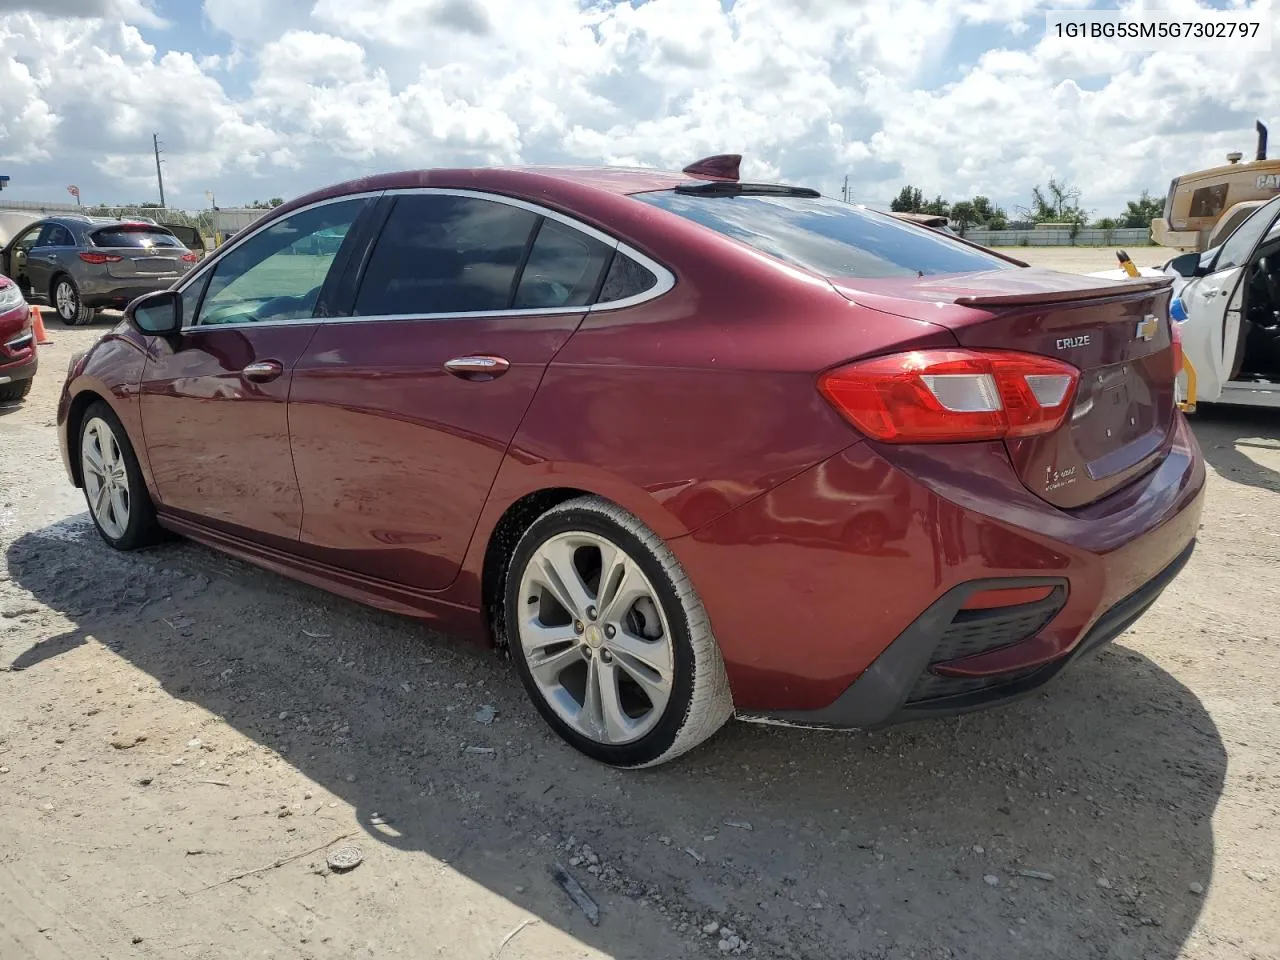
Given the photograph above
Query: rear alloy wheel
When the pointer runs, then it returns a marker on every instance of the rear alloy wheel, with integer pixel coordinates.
(117, 495)
(610, 639)
(71, 309)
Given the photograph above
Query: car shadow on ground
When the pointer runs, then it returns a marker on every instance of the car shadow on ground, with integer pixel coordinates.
(907, 841)
(1228, 435)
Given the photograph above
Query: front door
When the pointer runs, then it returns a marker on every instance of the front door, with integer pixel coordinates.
(17, 258)
(401, 415)
(214, 399)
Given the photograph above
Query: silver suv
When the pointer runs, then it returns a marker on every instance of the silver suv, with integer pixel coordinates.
(79, 265)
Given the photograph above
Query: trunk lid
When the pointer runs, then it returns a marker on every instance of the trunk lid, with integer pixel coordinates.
(1117, 333)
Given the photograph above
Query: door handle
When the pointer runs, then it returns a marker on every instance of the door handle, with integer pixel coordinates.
(477, 368)
(263, 371)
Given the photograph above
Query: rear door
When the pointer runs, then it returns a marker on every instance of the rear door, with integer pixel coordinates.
(214, 399)
(141, 252)
(401, 414)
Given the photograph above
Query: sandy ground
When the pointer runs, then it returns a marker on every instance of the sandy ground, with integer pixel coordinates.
(183, 739)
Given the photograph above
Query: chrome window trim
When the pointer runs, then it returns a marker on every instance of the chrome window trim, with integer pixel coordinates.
(665, 279)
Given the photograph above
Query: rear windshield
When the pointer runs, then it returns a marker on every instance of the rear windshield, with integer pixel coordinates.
(135, 237)
(828, 237)
(187, 235)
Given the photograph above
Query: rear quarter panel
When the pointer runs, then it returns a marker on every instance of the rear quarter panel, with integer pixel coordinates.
(687, 406)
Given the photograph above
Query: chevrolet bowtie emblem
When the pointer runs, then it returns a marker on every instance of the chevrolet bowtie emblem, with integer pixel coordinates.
(1148, 327)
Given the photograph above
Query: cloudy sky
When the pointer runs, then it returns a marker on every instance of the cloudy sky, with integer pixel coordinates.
(261, 98)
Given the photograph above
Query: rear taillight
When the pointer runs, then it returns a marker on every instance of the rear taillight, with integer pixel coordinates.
(944, 396)
(90, 257)
(188, 258)
(1175, 342)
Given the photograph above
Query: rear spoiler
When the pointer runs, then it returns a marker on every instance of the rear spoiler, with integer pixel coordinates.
(1105, 289)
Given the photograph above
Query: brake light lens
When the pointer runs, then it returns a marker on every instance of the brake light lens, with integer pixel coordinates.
(188, 257)
(950, 396)
(98, 258)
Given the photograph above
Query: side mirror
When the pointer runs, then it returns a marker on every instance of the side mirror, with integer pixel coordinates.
(156, 314)
(1186, 265)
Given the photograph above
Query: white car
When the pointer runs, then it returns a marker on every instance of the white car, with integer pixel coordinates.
(1230, 298)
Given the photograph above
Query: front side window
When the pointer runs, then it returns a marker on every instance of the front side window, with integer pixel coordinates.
(827, 237)
(278, 273)
(28, 239)
(1239, 246)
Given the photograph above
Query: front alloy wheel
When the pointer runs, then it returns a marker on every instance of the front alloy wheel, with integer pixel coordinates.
(114, 488)
(106, 481)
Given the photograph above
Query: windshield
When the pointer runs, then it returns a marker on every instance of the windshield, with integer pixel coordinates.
(828, 237)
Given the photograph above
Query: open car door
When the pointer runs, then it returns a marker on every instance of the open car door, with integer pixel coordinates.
(1211, 336)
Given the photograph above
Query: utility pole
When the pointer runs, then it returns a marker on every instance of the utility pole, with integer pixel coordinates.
(844, 194)
(155, 142)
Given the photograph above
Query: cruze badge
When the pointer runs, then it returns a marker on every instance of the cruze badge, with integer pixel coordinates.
(1148, 327)
(1066, 343)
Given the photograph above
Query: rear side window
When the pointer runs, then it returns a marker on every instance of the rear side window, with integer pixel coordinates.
(55, 235)
(134, 237)
(827, 237)
(626, 279)
(445, 254)
(563, 269)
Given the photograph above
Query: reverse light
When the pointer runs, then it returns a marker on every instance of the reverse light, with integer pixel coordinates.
(948, 396)
(98, 258)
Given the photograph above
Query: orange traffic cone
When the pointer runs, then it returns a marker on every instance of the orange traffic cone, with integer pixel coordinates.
(37, 325)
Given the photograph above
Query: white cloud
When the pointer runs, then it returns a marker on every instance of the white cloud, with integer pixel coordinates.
(276, 98)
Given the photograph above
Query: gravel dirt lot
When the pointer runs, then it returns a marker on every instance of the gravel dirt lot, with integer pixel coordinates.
(184, 739)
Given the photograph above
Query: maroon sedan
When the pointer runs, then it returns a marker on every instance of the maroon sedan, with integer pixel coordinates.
(687, 447)
(18, 360)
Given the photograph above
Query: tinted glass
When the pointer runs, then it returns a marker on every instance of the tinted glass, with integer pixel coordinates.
(563, 269)
(1236, 251)
(444, 254)
(48, 235)
(278, 273)
(625, 278)
(135, 237)
(830, 238)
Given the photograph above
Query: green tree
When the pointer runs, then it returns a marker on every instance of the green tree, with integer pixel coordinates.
(988, 214)
(937, 206)
(1059, 202)
(1140, 212)
(908, 200)
(266, 204)
(964, 214)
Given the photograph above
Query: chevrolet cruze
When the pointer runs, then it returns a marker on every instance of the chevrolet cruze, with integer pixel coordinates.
(688, 447)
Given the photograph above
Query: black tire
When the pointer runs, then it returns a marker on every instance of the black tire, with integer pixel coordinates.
(142, 528)
(74, 313)
(13, 392)
(700, 701)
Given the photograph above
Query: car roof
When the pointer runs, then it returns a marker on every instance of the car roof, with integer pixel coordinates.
(568, 186)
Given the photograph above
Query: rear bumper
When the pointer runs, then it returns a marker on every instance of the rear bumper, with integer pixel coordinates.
(881, 696)
(835, 596)
(1166, 236)
(114, 293)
